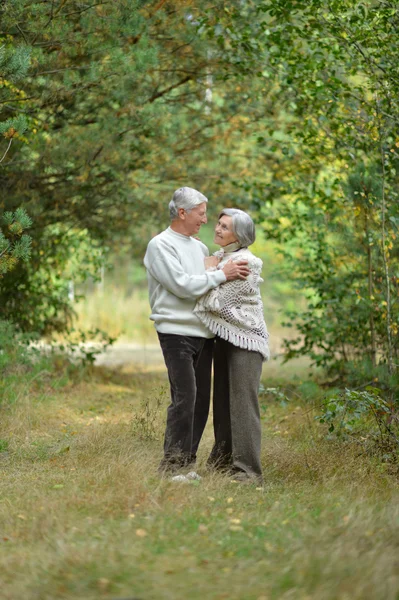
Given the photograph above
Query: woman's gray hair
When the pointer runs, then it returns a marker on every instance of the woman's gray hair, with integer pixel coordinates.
(243, 225)
(186, 198)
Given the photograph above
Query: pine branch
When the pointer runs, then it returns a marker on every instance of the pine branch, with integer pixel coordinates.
(6, 152)
(168, 89)
(5, 251)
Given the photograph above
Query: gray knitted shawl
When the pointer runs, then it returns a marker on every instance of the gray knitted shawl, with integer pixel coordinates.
(234, 309)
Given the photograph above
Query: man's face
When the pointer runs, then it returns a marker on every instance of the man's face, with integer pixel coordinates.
(195, 218)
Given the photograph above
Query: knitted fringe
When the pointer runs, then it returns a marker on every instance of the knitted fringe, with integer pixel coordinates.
(236, 339)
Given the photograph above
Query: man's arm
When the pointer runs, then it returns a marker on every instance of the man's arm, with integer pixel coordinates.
(167, 269)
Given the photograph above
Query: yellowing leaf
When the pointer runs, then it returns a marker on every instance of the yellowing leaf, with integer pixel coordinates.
(141, 533)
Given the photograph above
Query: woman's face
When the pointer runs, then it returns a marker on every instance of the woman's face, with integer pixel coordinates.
(224, 231)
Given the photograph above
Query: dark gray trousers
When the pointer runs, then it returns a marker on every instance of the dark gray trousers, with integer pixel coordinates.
(189, 363)
(236, 416)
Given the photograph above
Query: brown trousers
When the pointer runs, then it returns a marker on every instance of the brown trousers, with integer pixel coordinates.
(236, 416)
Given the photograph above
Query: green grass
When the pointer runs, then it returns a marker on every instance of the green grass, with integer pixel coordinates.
(85, 516)
(123, 316)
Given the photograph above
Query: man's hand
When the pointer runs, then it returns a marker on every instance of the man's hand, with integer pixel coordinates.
(236, 270)
(211, 261)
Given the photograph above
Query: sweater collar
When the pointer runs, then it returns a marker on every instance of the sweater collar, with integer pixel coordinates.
(181, 236)
(233, 247)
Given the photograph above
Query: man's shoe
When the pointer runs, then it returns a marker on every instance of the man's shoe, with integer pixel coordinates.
(179, 478)
(193, 476)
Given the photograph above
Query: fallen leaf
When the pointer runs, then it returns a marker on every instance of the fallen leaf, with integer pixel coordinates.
(141, 532)
(268, 547)
(103, 583)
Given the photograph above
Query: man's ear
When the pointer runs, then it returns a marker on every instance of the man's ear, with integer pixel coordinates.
(181, 213)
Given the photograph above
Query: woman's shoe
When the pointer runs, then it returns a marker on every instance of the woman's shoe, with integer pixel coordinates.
(242, 477)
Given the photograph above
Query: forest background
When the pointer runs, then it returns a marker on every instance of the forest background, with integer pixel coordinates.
(287, 109)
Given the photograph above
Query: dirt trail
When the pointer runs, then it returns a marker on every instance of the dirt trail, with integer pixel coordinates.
(130, 353)
(123, 354)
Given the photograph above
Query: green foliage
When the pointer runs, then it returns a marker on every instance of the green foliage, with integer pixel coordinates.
(25, 366)
(10, 127)
(18, 363)
(272, 393)
(330, 195)
(116, 121)
(344, 413)
(86, 346)
(3, 445)
(366, 417)
(14, 62)
(12, 351)
(301, 129)
(147, 419)
(14, 65)
(15, 245)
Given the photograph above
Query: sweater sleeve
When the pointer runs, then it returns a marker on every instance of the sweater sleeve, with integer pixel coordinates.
(166, 268)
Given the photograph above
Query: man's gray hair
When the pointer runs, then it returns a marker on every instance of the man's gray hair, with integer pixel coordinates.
(187, 198)
(243, 225)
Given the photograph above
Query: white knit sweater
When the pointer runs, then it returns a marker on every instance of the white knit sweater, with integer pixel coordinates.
(234, 310)
(176, 278)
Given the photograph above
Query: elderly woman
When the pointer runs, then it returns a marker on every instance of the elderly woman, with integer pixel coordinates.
(234, 313)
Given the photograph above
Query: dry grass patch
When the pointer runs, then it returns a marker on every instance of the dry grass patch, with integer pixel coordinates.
(85, 516)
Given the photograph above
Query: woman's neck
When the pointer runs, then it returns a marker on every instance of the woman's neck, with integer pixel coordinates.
(233, 247)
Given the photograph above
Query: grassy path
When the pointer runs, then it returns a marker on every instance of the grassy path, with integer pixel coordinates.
(84, 516)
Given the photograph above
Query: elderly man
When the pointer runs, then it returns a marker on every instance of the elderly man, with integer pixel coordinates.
(176, 278)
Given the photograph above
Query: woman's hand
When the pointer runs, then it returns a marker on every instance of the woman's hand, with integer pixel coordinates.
(211, 261)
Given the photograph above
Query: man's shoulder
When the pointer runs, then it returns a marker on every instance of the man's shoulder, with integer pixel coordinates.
(157, 240)
(202, 246)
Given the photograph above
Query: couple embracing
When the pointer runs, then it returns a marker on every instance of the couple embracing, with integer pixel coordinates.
(209, 307)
